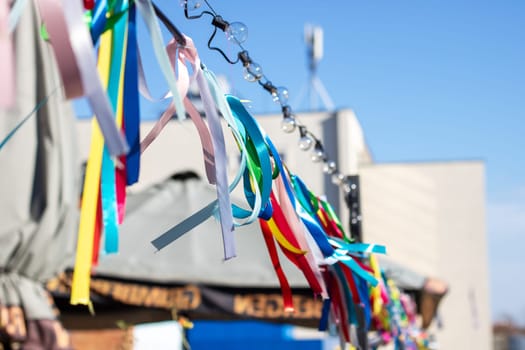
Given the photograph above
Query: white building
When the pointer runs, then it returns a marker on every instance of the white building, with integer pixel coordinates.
(431, 216)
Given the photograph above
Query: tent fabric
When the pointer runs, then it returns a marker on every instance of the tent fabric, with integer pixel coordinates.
(428, 291)
(39, 178)
(405, 279)
(197, 256)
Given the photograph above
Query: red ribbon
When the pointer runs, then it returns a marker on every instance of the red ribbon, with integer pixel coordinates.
(298, 259)
(98, 232)
(283, 281)
(89, 4)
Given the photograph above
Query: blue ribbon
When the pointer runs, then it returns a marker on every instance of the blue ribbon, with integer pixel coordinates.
(323, 322)
(98, 21)
(131, 102)
(362, 290)
(186, 225)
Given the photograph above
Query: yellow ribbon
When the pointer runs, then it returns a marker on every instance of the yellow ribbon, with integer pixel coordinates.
(376, 291)
(278, 235)
(84, 255)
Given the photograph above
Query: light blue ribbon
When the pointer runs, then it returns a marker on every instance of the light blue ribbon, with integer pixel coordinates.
(97, 97)
(185, 226)
(148, 14)
(15, 14)
(357, 247)
(223, 194)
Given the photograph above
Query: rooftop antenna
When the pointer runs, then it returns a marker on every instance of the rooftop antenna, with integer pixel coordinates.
(313, 38)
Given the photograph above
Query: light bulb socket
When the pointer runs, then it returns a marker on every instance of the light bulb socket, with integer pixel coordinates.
(318, 153)
(287, 111)
(318, 146)
(220, 23)
(302, 131)
(245, 58)
(268, 86)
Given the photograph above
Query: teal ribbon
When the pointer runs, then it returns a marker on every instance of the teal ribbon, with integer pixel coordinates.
(352, 316)
(108, 189)
(35, 109)
(260, 154)
(357, 247)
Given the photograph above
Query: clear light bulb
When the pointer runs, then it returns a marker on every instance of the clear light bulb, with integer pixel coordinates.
(192, 4)
(253, 72)
(305, 142)
(337, 179)
(329, 167)
(280, 95)
(237, 32)
(317, 155)
(288, 124)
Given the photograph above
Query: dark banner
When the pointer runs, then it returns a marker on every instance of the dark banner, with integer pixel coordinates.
(199, 301)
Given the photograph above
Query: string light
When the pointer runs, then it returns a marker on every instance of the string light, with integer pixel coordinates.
(330, 167)
(318, 153)
(288, 124)
(305, 142)
(190, 4)
(237, 32)
(280, 95)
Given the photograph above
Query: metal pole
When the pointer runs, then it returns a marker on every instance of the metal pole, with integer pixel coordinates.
(353, 201)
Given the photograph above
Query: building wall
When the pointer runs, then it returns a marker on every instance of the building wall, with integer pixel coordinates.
(177, 148)
(431, 217)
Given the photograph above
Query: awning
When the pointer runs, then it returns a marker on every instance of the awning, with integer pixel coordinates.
(189, 275)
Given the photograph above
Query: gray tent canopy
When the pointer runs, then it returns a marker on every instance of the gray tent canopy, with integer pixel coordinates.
(189, 275)
(196, 257)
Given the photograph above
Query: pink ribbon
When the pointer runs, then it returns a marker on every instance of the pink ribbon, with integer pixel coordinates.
(298, 230)
(52, 14)
(179, 57)
(213, 146)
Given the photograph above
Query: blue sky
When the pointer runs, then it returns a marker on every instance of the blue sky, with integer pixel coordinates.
(429, 80)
